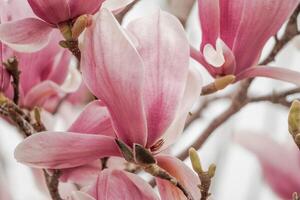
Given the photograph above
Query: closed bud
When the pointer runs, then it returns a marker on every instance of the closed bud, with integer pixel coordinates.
(195, 160)
(212, 170)
(294, 119)
(80, 24)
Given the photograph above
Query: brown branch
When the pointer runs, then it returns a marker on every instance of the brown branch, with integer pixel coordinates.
(29, 127)
(12, 67)
(276, 98)
(240, 98)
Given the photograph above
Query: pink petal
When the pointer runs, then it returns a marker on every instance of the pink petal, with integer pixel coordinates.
(82, 175)
(209, 14)
(121, 185)
(81, 196)
(230, 19)
(166, 60)
(271, 72)
(35, 68)
(39, 94)
(191, 94)
(25, 35)
(53, 12)
(94, 119)
(116, 5)
(4, 75)
(80, 7)
(58, 150)
(280, 163)
(182, 173)
(115, 75)
(260, 20)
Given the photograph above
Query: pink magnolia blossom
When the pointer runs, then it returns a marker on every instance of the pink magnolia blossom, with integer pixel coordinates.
(280, 163)
(32, 34)
(145, 83)
(234, 33)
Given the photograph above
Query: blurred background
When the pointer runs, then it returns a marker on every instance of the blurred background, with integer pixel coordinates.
(239, 175)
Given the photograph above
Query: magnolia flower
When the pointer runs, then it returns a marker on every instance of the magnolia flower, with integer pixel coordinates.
(31, 34)
(143, 78)
(117, 185)
(280, 163)
(45, 75)
(234, 33)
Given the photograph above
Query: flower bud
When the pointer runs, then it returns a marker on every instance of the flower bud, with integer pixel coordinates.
(294, 118)
(195, 160)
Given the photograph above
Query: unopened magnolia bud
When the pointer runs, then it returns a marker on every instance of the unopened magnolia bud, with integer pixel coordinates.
(80, 24)
(125, 150)
(224, 81)
(212, 170)
(219, 84)
(294, 119)
(195, 160)
(143, 156)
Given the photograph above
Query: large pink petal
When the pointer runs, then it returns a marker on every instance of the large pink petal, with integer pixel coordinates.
(58, 150)
(121, 185)
(182, 173)
(191, 94)
(280, 163)
(271, 72)
(39, 94)
(82, 175)
(165, 53)
(25, 35)
(80, 7)
(115, 75)
(230, 19)
(260, 20)
(94, 119)
(209, 14)
(53, 12)
(35, 68)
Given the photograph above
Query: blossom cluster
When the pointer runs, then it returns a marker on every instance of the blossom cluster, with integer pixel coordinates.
(140, 81)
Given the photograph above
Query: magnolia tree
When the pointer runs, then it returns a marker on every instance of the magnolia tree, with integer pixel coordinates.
(137, 88)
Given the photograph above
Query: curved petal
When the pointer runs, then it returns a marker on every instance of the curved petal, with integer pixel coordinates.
(260, 20)
(166, 60)
(280, 163)
(73, 80)
(25, 35)
(116, 5)
(182, 173)
(59, 150)
(80, 7)
(209, 14)
(53, 12)
(60, 70)
(230, 19)
(115, 75)
(82, 175)
(191, 94)
(39, 94)
(94, 119)
(271, 72)
(121, 185)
